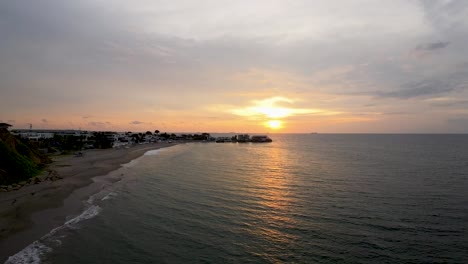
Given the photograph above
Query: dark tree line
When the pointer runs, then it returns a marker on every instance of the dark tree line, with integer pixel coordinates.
(102, 140)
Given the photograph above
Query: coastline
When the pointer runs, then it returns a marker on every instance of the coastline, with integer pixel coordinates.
(19, 210)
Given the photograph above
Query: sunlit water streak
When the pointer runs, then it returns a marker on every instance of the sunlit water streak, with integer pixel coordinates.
(302, 198)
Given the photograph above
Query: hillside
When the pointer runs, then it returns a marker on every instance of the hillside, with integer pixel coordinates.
(18, 161)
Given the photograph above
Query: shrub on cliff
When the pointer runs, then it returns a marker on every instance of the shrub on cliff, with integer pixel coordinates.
(16, 167)
(18, 161)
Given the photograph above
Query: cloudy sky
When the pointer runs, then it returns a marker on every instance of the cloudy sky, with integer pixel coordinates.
(221, 66)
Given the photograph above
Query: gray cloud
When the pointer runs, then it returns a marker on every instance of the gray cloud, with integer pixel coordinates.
(136, 123)
(421, 88)
(458, 120)
(432, 46)
(445, 16)
(396, 113)
(452, 103)
(444, 84)
(98, 123)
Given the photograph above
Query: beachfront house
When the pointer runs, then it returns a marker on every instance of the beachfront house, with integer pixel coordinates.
(4, 126)
(41, 134)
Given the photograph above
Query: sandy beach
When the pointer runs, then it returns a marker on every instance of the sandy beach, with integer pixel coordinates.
(19, 227)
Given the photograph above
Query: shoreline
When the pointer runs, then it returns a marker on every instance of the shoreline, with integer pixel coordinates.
(32, 211)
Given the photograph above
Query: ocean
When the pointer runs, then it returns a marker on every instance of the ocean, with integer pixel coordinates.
(310, 198)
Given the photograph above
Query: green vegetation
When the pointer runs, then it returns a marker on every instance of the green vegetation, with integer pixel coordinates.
(19, 161)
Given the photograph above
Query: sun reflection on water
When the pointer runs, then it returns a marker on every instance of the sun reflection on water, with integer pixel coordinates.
(274, 199)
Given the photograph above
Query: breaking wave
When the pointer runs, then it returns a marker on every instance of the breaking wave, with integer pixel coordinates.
(153, 152)
(109, 196)
(33, 253)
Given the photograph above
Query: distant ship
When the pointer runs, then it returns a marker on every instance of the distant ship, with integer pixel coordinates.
(313, 133)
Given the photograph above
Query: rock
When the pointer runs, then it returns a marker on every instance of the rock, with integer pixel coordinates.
(22, 183)
(3, 190)
(37, 180)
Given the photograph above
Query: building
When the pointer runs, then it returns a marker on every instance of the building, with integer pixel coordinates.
(39, 134)
(4, 126)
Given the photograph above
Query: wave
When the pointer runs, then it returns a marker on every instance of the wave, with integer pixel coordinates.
(30, 254)
(33, 252)
(153, 152)
(89, 213)
(109, 196)
(134, 162)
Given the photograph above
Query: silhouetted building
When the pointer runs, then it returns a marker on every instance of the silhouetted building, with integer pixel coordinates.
(4, 126)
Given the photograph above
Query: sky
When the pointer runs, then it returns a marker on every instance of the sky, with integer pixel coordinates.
(354, 66)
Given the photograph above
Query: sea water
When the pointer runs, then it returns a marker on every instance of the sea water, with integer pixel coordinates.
(301, 199)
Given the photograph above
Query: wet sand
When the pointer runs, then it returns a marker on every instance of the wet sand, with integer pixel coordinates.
(29, 213)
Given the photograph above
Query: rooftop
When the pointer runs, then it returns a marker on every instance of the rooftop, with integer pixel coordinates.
(4, 125)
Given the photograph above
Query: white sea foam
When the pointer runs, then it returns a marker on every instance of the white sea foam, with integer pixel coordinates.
(33, 252)
(30, 254)
(153, 152)
(147, 153)
(89, 213)
(109, 196)
(90, 199)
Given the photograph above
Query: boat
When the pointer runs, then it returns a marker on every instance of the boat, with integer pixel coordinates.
(260, 139)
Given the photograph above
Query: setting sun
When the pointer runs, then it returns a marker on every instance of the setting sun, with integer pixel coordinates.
(274, 124)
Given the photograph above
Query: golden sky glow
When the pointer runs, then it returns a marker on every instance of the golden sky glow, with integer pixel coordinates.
(276, 109)
(269, 108)
(244, 66)
(274, 124)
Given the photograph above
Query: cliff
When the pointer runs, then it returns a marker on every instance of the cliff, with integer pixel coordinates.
(18, 161)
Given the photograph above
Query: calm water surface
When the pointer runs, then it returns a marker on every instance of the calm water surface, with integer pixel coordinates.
(301, 199)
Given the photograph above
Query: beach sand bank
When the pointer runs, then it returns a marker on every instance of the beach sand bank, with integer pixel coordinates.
(19, 210)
